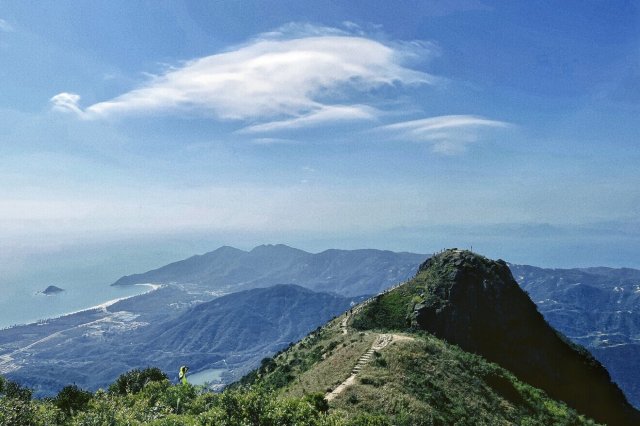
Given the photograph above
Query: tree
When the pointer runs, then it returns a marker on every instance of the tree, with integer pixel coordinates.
(134, 381)
(72, 399)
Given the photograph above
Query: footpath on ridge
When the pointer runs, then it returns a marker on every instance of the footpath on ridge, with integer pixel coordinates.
(381, 342)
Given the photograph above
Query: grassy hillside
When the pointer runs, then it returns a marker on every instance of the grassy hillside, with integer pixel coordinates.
(416, 379)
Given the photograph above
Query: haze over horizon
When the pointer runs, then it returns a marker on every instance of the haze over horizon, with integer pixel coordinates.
(133, 134)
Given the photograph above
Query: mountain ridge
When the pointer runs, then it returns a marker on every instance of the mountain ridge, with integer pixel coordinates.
(475, 303)
(347, 272)
(392, 356)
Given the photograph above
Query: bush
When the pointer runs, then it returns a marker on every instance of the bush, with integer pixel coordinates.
(317, 401)
(72, 399)
(134, 381)
(13, 390)
(16, 412)
(373, 381)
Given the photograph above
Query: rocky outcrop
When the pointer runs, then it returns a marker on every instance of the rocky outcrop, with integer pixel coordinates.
(475, 303)
(52, 289)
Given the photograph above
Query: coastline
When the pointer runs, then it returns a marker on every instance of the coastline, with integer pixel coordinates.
(105, 305)
(100, 307)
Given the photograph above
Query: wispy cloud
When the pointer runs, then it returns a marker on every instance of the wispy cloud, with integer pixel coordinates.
(273, 141)
(67, 102)
(448, 134)
(325, 114)
(275, 81)
(5, 26)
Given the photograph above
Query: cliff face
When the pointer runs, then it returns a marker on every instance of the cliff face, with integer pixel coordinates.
(475, 303)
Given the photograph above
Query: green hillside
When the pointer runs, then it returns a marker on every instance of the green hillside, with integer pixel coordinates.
(416, 379)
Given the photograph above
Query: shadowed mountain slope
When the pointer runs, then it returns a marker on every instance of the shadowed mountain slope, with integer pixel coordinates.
(598, 308)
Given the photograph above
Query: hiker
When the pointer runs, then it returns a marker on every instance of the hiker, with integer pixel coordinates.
(182, 375)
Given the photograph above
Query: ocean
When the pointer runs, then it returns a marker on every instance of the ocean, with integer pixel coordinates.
(84, 271)
(26, 304)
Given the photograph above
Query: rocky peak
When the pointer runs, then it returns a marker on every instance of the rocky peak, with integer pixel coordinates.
(475, 302)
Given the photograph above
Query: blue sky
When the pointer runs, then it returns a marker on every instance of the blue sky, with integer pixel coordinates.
(407, 125)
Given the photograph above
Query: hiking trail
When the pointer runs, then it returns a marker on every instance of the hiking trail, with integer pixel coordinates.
(382, 341)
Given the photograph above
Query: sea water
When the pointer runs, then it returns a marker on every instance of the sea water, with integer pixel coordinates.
(84, 271)
(24, 304)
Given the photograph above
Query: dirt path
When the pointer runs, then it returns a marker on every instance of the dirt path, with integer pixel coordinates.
(382, 341)
(344, 324)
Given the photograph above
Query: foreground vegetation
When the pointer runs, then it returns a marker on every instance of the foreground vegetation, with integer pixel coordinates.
(417, 380)
(144, 397)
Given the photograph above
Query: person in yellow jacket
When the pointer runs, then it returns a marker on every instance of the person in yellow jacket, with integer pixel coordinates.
(182, 375)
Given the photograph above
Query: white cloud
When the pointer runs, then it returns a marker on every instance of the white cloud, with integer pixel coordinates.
(325, 114)
(273, 141)
(5, 26)
(67, 102)
(448, 134)
(276, 83)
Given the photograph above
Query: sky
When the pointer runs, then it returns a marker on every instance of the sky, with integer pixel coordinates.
(136, 133)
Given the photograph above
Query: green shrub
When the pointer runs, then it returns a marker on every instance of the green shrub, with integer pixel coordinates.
(13, 390)
(134, 381)
(72, 399)
(16, 412)
(369, 420)
(317, 401)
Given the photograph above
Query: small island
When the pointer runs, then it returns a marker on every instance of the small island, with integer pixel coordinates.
(52, 289)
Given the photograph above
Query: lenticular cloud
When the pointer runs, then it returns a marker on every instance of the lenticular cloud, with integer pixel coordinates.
(266, 80)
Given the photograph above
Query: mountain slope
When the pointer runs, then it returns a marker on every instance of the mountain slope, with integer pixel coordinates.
(413, 379)
(346, 272)
(247, 325)
(475, 303)
(91, 349)
(403, 377)
(375, 364)
(597, 308)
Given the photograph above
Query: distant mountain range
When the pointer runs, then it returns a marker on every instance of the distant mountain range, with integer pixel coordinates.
(92, 348)
(346, 272)
(242, 327)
